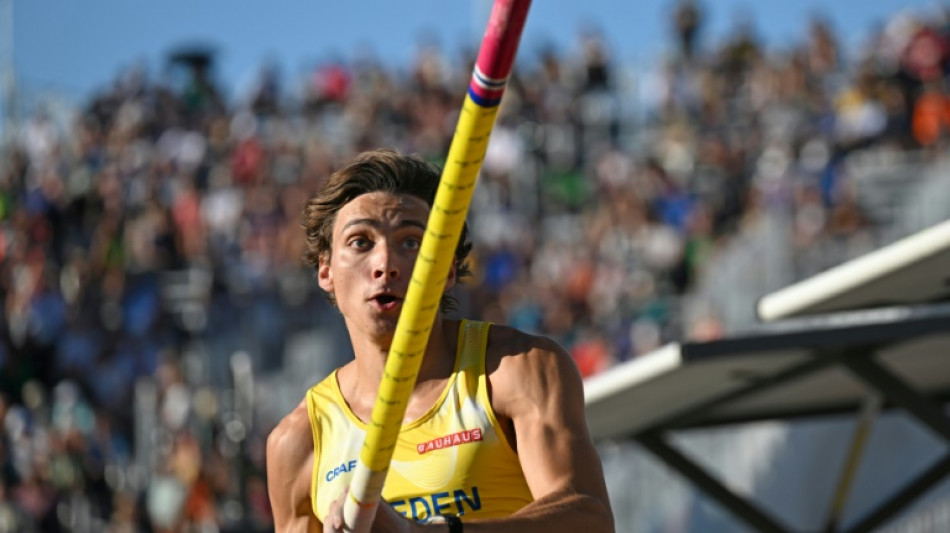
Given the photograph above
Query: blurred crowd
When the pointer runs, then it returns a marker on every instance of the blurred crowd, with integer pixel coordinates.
(167, 217)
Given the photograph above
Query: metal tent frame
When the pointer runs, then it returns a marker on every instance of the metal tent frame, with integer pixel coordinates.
(842, 362)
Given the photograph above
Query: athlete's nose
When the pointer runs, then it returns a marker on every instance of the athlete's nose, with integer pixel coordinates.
(385, 263)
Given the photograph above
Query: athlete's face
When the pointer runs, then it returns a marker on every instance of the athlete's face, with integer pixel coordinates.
(376, 238)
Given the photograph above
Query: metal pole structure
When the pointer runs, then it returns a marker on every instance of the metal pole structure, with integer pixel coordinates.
(869, 411)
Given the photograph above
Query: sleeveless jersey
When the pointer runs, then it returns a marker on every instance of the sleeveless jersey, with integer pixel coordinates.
(454, 459)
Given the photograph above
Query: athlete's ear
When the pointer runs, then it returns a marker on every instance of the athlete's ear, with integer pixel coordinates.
(324, 275)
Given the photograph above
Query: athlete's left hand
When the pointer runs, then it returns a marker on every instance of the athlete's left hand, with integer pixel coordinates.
(386, 520)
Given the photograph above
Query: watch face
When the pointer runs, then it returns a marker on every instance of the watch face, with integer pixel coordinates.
(454, 522)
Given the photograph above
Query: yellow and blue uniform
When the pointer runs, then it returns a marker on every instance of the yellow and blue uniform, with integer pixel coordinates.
(454, 459)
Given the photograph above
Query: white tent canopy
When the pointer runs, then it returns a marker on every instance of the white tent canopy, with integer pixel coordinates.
(838, 362)
(915, 269)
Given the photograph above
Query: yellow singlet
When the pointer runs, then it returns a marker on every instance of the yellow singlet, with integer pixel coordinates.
(454, 459)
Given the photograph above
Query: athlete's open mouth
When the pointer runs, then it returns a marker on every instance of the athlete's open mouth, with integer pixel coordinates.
(386, 301)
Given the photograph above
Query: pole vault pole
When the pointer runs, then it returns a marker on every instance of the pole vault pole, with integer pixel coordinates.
(433, 264)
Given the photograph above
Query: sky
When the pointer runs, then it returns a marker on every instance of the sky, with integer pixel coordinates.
(73, 47)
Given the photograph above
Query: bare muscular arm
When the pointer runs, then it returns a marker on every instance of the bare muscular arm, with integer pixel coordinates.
(539, 389)
(289, 465)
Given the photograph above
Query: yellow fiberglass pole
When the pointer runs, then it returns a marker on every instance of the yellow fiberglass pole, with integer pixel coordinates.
(433, 264)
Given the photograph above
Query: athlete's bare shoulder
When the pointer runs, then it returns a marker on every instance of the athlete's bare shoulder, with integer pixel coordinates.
(524, 367)
(289, 467)
(292, 438)
(510, 347)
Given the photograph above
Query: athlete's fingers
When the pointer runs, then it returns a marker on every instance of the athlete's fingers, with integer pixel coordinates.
(334, 519)
(389, 520)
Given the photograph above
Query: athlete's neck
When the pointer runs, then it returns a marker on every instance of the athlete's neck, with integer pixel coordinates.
(370, 359)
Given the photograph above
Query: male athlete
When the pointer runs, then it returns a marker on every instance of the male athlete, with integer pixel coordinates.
(494, 437)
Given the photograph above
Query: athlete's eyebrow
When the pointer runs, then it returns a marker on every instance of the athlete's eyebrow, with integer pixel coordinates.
(375, 223)
(360, 222)
(411, 223)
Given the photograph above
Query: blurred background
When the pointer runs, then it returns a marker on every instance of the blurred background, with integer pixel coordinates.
(654, 170)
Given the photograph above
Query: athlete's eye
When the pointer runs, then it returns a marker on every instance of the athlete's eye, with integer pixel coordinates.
(412, 243)
(360, 243)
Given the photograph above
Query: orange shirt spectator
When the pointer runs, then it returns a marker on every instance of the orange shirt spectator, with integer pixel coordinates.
(931, 119)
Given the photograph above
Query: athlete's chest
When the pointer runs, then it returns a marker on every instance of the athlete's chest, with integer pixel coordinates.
(436, 457)
(420, 405)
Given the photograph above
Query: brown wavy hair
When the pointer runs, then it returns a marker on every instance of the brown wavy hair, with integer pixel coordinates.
(383, 170)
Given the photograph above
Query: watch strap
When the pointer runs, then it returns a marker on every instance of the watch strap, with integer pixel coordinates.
(454, 523)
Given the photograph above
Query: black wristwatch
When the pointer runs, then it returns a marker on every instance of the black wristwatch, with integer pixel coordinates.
(454, 522)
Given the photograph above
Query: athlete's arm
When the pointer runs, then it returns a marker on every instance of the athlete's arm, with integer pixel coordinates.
(539, 389)
(289, 466)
